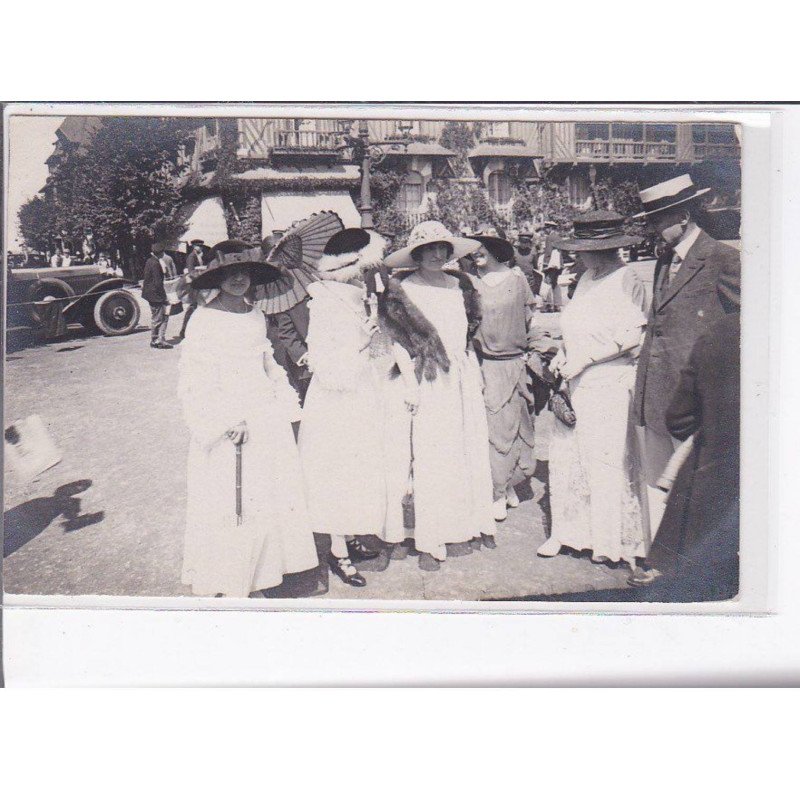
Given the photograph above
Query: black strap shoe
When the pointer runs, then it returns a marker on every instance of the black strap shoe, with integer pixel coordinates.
(343, 569)
(358, 551)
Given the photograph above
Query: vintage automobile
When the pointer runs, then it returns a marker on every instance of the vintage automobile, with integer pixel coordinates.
(98, 301)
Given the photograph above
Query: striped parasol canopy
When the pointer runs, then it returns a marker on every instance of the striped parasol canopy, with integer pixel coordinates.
(313, 234)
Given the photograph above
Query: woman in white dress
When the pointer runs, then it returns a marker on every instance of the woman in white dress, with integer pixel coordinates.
(594, 489)
(340, 433)
(233, 393)
(431, 314)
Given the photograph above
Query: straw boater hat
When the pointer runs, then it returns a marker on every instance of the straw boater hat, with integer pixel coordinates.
(668, 194)
(427, 233)
(253, 259)
(496, 244)
(598, 230)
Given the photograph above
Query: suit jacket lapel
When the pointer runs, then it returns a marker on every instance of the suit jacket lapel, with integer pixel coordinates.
(692, 264)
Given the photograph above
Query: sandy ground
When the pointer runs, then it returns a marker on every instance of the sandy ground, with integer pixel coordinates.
(109, 518)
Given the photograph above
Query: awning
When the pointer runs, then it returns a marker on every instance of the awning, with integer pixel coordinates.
(280, 209)
(204, 219)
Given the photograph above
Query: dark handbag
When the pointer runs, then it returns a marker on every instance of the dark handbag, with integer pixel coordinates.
(561, 406)
(409, 518)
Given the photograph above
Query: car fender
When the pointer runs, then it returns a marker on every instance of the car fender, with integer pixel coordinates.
(87, 300)
(43, 283)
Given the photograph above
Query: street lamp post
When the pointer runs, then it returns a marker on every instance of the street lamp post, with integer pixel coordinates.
(366, 196)
(361, 151)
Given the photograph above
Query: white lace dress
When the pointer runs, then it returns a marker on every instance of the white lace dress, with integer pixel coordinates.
(594, 488)
(452, 475)
(222, 382)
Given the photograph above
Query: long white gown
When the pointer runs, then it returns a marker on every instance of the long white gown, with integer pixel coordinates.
(594, 492)
(222, 382)
(452, 476)
(340, 433)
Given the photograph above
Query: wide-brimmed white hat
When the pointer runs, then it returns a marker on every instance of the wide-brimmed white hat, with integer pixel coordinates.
(668, 194)
(429, 232)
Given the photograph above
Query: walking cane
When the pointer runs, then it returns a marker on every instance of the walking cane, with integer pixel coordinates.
(239, 484)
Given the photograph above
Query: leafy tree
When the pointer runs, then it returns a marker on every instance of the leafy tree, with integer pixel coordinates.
(124, 184)
(37, 223)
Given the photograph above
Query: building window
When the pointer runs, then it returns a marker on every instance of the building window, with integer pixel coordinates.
(628, 131)
(499, 130)
(578, 189)
(661, 133)
(713, 134)
(499, 188)
(412, 192)
(592, 131)
(714, 141)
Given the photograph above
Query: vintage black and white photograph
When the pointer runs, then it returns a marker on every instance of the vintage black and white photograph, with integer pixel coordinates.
(367, 358)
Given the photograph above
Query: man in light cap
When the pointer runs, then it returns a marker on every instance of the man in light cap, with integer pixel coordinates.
(685, 304)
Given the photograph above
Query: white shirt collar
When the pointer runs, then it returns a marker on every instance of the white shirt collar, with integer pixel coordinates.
(684, 245)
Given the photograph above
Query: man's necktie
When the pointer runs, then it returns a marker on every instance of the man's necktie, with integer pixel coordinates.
(671, 271)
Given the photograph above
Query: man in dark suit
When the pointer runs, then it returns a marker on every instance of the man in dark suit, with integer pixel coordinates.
(699, 534)
(153, 292)
(195, 262)
(685, 305)
(287, 331)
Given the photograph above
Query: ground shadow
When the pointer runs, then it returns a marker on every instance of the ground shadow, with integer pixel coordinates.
(26, 521)
(69, 349)
(311, 582)
(542, 474)
(19, 339)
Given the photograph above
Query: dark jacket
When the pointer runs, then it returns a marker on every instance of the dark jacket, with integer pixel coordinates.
(193, 261)
(153, 282)
(705, 403)
(678, 316)
(287, 331)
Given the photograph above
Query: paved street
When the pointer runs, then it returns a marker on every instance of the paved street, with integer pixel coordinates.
(109, 518)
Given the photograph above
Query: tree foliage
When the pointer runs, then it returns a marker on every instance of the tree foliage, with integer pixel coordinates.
(124, 184)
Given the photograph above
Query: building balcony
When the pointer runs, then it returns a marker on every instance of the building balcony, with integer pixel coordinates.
(624, 150)
(290, 142)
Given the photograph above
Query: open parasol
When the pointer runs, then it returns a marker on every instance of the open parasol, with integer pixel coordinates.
(313, 234)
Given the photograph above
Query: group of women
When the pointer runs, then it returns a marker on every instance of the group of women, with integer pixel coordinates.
(417, 424)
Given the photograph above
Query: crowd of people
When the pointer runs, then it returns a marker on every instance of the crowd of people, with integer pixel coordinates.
(396, 400)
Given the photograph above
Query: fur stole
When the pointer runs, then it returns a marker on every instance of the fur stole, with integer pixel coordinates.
(408, 326)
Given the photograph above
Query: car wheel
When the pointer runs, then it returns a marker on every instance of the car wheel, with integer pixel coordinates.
(40, 295)
(116, 313)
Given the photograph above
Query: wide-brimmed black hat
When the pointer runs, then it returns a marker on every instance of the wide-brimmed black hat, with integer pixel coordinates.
(496, 244)
(232, 246)
(349, 240)
(252, 259)
(598, 230)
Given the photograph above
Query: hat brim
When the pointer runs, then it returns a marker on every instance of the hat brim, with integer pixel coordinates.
(461, 245)
(260, 273)
(643, 214)
(501, 249)
(595, 245)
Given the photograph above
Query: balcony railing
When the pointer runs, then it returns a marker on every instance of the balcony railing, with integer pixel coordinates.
(716, 150)
(625, 150)
(306, 140)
